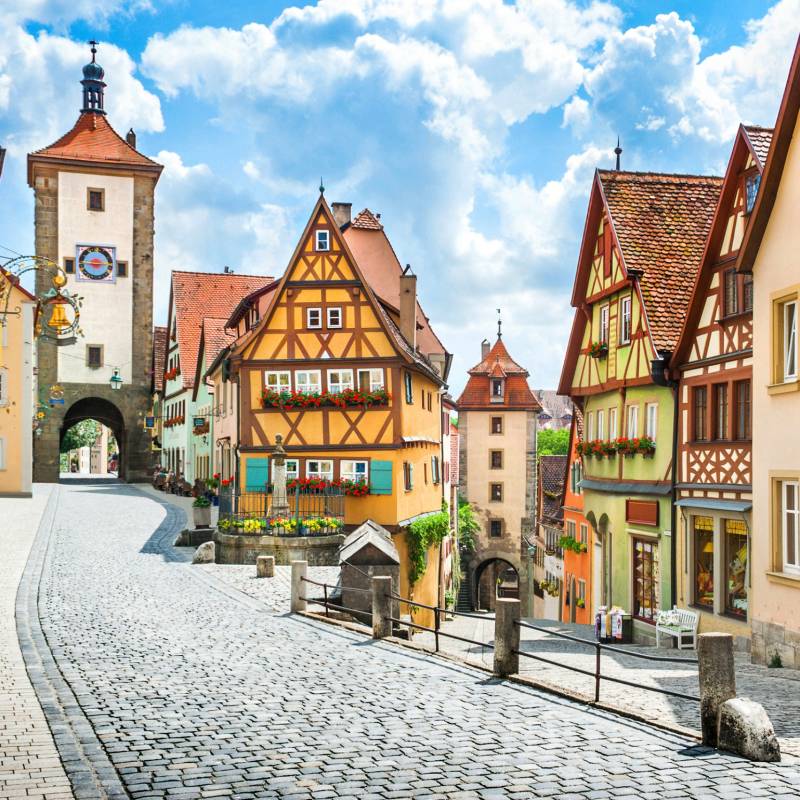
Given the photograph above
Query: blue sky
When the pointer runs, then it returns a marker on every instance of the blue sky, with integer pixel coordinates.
(472, 126)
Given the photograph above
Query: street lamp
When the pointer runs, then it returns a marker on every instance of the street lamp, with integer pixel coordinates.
(116, 379)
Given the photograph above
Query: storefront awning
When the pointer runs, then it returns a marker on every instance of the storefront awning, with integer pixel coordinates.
(714, 505)
(623, 487)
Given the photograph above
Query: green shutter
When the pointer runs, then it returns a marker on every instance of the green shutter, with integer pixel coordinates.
(257, 474)
(380, 477)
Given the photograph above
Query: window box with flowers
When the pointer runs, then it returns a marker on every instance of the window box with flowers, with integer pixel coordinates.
(598, 349)
(199, 430)
(567, 542)
(171, 374)
(347, 398)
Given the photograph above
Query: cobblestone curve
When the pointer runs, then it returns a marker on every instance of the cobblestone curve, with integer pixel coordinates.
(194, 693)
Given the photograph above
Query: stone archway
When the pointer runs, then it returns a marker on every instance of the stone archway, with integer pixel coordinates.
(105, 412)
(492, 578)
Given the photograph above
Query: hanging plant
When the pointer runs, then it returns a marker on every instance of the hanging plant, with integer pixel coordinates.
(598, 349)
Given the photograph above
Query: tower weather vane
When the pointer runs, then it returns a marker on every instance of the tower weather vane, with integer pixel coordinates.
(499, 325)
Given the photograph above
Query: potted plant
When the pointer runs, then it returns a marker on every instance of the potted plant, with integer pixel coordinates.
(580, 603)
(646, 446)
(201, 511)
(598, 349)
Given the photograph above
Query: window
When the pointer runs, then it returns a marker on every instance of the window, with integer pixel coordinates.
(700, 403)
(645, 579)
(354, 470)
(370, 380)
(313, 318)
(4, 390)
(612, 423)
(339, 380)
(96, 199)
(731, 299)
(69, 266)
(497, 390)
(122, 269)
(704, 561)
(496, 492)
(735, 544)
(94, 356)
(721, 411)
(601, 424)
(790, 525)
(436, 472)
(408, 475)
(751, 184)
(633, 422)
(571, 529)
(577, 476)
(320, 469)
(742, 393)
(409, 387)
(747, 291)
(584, 534)
(497, 425)
(582, 593)
(790, 341)
(590, 426)
(496, 459)
(651, 420)
(495, 528)
(278, 381)
(308, 380)
(292, 469)
(625, 320)
(335, 317)
(2, 452)
(323, 242)
(604, 323)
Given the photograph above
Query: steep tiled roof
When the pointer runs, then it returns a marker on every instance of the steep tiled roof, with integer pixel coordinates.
(662, 222)
(400, 340)
(498, 363)
(197, 295)
(93, 139)
(367, 221)
(552, 470)
(760, 138)
(216, 337)
(159, 354)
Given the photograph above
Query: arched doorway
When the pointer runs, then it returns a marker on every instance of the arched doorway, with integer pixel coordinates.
(495, 577)
(104, 412)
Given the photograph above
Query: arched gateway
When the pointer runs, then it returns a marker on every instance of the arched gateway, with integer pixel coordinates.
(104, 412)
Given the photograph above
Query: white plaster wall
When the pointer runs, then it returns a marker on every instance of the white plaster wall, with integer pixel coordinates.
(106, 314)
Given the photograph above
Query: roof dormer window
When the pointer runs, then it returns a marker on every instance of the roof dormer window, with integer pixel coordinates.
(751, 184)
(498, 390)
(323, 242)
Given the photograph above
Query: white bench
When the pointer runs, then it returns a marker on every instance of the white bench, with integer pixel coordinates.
(681, 624)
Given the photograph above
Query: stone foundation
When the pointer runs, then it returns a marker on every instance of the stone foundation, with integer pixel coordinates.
(770, 638)
(318, 551)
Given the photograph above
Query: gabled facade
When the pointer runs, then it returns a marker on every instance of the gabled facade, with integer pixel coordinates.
(769, 252)
(643, 241)
(553, 588)
(713, 362)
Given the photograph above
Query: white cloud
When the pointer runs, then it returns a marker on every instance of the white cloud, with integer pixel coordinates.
(576, 114)
(59, 13)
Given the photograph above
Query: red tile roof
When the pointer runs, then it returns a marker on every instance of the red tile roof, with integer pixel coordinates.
(159, 356)
(498, 362)
(216, 338)
(552, 474)
(198, 295)
(367, 221)
(93, 139)
(661, 223)
(760, 138)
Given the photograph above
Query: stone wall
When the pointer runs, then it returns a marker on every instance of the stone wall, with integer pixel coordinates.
(318, 551)
(769, 639)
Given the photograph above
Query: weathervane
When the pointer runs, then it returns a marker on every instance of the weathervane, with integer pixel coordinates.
(499, 325)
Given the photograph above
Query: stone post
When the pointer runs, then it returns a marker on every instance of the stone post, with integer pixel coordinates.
(299, 587)
(265, 566)
(717, 680)
(280, 504)
(506, 637)
(381, 606)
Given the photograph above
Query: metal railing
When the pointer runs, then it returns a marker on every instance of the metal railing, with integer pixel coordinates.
(325, 600)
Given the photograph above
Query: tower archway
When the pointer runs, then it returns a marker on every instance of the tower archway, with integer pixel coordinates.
(494, 577)
(104, 412)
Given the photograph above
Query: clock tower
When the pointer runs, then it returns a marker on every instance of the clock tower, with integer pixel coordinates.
(94, 203)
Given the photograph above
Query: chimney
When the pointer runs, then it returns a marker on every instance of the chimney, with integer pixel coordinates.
(408, 306)
(342, 213)
(484, 349)
(130, 138)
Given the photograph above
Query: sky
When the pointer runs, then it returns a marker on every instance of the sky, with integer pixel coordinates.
(472, 126)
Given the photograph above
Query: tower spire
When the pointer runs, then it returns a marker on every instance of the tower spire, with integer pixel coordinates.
(618, 152)
(499, 325)
(93, 84)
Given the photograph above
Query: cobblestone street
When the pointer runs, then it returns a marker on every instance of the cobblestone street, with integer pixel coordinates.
(201, 687)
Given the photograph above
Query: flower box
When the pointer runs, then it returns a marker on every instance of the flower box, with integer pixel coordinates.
(598, 349)
(348, 398)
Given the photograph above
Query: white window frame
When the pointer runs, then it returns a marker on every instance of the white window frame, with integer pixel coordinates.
(612, 424)
(590, 426)
(625, 316)
(311, 325)
(350, 470)
(322, 241)
(601, 423)
(292, 469)
(790, 341)
(583, 536)
(571, 529)
(377, 378)
(651, 420)
(5, 392)
(785, 513)
(303, 380)
(319, 472)
(334, 311)
(283, 380)
(632, 421)
(2, 453)
(339, 385)
(605, 317)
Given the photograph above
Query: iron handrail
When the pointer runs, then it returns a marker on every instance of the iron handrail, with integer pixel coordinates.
(335, 585)
(327, 603)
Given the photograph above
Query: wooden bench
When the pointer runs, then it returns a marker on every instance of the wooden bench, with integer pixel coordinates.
(682, 625)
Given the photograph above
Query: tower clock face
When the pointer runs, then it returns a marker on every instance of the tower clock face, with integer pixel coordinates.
(96, 263)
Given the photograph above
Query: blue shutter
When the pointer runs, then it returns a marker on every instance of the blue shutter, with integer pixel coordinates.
(380, 477)
(257, 474)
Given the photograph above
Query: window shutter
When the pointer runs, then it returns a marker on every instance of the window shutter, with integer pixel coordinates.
(257, 474)
(380, 477)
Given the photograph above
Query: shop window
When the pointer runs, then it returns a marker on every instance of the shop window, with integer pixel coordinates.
(645, 579)
(735, 533)
(704, 562)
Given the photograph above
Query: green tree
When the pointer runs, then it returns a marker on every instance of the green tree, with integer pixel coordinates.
(81, 434)
(552, 443)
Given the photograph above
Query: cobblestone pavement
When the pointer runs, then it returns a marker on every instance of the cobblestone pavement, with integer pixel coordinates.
(29, 762)
(196, 690)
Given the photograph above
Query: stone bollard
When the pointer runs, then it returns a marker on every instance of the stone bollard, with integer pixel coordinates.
(299, 586)
(381, 606)
(265, 566)
(717, 680)
(506, 637)
(745, 729)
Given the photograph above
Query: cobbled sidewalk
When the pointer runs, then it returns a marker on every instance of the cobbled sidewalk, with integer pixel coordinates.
(30, 766)
(197, 690)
